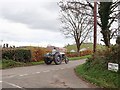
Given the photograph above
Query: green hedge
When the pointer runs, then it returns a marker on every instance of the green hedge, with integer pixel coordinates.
(20, 55)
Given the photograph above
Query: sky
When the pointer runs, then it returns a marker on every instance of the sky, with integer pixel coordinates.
(31, 22)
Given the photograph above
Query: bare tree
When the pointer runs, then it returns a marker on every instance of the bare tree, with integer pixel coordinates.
(107, 15)
(76, 22)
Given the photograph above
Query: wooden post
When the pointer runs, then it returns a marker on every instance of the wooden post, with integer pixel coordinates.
(95, 26)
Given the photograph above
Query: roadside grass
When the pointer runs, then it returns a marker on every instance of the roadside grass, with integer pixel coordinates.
(37, 63)
(78, 58)
(99, 77)
(4, 64)
(0, 64)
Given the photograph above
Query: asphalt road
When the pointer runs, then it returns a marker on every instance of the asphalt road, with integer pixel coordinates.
(44, 76)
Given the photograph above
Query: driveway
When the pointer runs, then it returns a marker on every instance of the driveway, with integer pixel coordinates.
(44, 76)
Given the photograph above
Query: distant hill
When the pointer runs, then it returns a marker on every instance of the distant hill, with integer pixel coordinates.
(84, 45)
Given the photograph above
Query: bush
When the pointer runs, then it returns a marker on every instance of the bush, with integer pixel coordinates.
(102, 58)
(82, 53)
(96, 70)
(38, 54)
(7, 53)
(20, 55)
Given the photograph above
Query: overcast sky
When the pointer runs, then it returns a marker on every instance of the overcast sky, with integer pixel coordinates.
(31, 22)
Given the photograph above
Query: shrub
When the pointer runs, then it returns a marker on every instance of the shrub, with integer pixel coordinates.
(102, 58)
(82, 53)
(7, 53)
(38, 54)
(20, 55)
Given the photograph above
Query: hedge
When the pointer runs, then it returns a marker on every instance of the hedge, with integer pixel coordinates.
(20, 55)
(82, 53)
(38, 54)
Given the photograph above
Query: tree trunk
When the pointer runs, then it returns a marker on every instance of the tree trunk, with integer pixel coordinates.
(106, 37)
(78, 49)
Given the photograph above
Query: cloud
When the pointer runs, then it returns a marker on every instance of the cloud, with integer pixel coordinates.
(30, 22)
(37, 15)
(19, 34)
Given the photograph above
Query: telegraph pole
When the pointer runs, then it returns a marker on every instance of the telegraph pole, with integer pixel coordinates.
(119, 20)
(95, 26)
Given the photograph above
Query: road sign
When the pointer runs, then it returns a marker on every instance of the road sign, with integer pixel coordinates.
(113, 67)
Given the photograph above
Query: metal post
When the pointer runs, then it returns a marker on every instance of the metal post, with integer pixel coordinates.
(95, 26)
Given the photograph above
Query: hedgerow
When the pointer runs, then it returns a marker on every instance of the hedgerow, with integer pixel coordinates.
(20, 55)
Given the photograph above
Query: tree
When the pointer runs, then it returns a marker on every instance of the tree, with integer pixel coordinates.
(3, 45)
(118, 40)
(76, 23)
(7, 45)
(107, 15)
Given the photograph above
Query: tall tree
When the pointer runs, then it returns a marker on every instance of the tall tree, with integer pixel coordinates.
(107, 15)
(76, 23)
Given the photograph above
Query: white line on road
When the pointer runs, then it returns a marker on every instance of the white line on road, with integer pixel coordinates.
(13, 85)
(0, 81)
(62, 68)
(12, 76)
(37, 72)
(46, 71)
(23, 75)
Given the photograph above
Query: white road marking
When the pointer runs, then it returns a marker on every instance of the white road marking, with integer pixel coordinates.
(37, 72)
(46, 71)
(12, 76)
(0, 81)
(23, 75)
(14, 85)
(62, 68)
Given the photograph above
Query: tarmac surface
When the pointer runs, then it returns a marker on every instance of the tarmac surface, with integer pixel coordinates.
(44, 76)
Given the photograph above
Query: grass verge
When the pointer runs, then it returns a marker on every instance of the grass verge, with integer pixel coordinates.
(78, 58)
(4, 64)
(99, 77)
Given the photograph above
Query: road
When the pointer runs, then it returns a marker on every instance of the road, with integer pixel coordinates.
(44, 76)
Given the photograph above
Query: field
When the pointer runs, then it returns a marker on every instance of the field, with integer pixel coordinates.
(84, 45)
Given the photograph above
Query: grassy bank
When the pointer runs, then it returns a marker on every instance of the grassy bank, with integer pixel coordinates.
(4, 64)
(99, 77)
(96, 70)
(78, 58)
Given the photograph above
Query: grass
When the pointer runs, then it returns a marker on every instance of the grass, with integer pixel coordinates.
(99, 77)
(84, 45)
(4, 64)
(37, 63)
(0, 64)
(78, 58)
